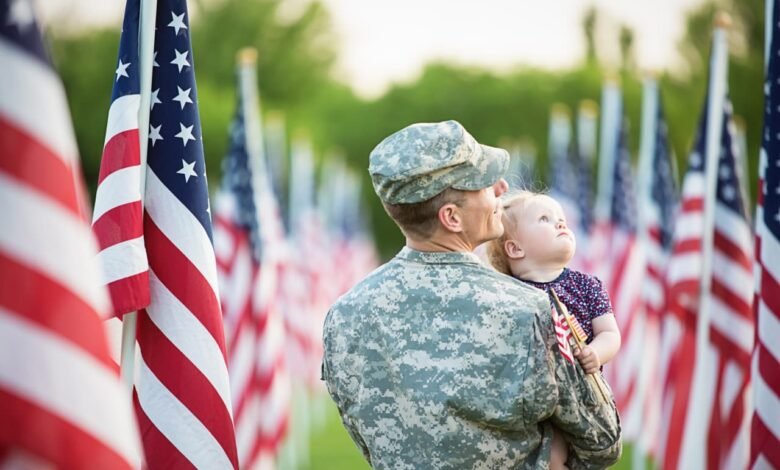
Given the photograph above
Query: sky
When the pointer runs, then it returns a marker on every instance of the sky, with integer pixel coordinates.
(382, 42)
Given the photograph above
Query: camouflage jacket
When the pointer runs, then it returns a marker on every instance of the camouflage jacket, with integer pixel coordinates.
(437, 362)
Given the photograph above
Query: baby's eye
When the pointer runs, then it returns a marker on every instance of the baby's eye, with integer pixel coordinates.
(544, 219)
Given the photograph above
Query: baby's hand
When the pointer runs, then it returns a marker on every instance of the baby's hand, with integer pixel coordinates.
(588, 359)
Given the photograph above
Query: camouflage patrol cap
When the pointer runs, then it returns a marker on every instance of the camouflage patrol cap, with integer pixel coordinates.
(422, 160)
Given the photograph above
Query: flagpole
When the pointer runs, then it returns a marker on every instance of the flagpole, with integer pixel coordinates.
(610, 130)
(701, 408)
(650, 103)
(146, 27)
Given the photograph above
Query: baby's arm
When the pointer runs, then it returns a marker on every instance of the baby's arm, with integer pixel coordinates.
(605, 344)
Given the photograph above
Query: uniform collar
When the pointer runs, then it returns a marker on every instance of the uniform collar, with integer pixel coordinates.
(438, 257)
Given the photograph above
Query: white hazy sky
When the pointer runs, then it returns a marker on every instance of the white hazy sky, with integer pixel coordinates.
(386, 41)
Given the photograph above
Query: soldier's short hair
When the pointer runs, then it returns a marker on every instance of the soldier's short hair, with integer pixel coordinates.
(418, 220)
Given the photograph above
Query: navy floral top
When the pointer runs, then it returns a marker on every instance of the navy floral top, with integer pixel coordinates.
(583, 294)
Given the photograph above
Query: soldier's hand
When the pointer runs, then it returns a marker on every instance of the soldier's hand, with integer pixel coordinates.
(589, 359)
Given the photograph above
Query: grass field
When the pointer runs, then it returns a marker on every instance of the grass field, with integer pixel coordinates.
(332, 449)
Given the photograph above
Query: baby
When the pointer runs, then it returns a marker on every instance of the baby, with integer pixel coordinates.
(535, 249)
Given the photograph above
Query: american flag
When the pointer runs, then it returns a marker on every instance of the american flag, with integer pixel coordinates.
(765, 432)
(724, 368)
(562, 335)
(61, 403)
(117, 219)
(621, 277)
(660, 208)
(249, 243)
(566, 181)
(182, 393)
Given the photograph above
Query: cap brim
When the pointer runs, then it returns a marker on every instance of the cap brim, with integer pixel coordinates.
(488, 168)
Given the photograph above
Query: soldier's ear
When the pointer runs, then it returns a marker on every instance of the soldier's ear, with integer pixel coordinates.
(513, 249)
(450, 218)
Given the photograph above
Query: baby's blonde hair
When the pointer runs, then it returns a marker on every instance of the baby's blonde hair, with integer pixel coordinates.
(495, 249)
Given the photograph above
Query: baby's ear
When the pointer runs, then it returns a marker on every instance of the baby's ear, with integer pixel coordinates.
(513, 249)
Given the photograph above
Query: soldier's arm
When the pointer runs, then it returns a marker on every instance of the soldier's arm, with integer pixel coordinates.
(589, 424)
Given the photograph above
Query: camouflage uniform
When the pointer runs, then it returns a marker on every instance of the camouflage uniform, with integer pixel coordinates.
(438, 362)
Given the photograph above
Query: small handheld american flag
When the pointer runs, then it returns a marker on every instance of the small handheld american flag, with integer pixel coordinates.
(576, 338)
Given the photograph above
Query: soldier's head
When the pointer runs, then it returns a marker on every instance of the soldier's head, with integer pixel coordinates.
(436, 178)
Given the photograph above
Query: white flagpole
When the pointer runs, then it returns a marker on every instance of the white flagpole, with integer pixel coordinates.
(646, 153)
(148, 16)
(694, 454)
(610, 131)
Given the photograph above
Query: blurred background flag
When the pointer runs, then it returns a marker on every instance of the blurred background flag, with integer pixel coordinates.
(182, 393)
(61, 404)
(765, 432)
(250, 248)
(657, 200)
(707, 388)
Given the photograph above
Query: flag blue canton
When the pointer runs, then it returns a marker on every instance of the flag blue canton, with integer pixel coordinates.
(19, 26)
(662, 188)
(237, 178)
(728, 192)
(585, 186)
(772, 136)
(623, 206)
(126, 76)
(175, 153)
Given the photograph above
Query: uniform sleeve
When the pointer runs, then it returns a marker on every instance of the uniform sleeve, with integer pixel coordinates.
(330, 377)
(598, 297)
(590, 425)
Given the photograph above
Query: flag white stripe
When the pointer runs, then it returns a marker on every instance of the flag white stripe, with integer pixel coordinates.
(119, 188)
(29, 240)
(733, 226)
(766, 400)
(683, 267)
(175, 421)
(246, 428)
(241, 362)
(189, 335)
(769, 329)
(122, 115)
(734, 276)
(122, 260)
(694, 185)
(277, 404)
(734, 327)
(770, 250)
(176, 221)
(688, 226)
(60, 390)
(30, 89)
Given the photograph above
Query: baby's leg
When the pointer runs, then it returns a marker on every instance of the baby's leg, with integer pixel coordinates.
(560, 452)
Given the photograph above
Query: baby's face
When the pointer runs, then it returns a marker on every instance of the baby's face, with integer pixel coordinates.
(542, 232)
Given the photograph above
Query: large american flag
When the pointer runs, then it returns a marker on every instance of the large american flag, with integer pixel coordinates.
(661, 206)
(182, 393)
(765, 433)
(724, 370)
(61, 403)
(250, 246)
(621, 277)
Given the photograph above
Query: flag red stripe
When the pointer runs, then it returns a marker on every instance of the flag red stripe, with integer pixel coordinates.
(692, 204)
(184, 281)
(768, 365)
(40, 432)
(130, 292)
(730, 350)
(119, 224)
(159, 451)
(688, 245)
(764, 443)
(36, 297)
(267, 442)
(770, 291)
(121, 151)
(726, 295)
(35, 165)
(734, 252)
(180, 376)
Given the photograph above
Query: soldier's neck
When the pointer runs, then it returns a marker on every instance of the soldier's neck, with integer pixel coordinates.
(440, 244)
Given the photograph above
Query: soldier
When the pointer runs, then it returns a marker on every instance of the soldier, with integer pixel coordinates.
(438, 362)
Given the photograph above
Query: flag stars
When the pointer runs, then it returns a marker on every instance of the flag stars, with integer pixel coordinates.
(695, 159)
(729, 193)
(185, 134)
(183, 97)
(725, 172)
(188, 170)
(154, 134)
(777, 216)
(121, 70)
(177, 22)
(21, 15)
(155, 99)
(181, 59)
(154, 60)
